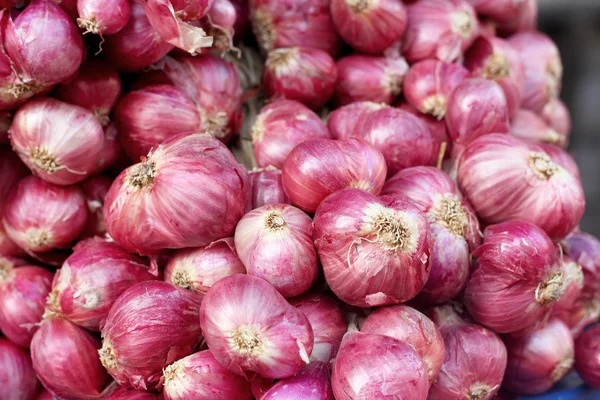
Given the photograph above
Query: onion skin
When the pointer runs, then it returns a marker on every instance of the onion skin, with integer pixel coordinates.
(111, 152)
(17, 376)
(8, 248)
(557, 116)
(65, 358)
(302, 74)
(319, 167)
(311, 383)
(538, 359)
(371, 366)
(11, 170)
(501, 10)
(587, 356)
(150, 325)
(371, 274)
(527, 125)
(350, 120)
(100, 18)
(250, 328)
(267, 187)
(436, 127)
(124, 393)
(281, 126)
(573, 285)
(95, 189)
(204, 162)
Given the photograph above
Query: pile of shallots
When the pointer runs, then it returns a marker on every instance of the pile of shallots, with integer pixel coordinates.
(405, 225)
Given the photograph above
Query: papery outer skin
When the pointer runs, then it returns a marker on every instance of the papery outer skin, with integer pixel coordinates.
(92, 279)
(201, 377)
(412, 327)
(302, 74)
(502, 10)
(279, 127)
(137, 45)
(430, 31)
(151, 325)
(432, 79)
(497, 175)
(543, 69)
(538, 359)
(515, 258)
(350, 120)
(496, 59)
(448, 315)
(11, 171)
(573, 285)
(40, 217)
(105, 18)
(289, 23)
(475, 359)
(124, 393)
(360, 269)
(285, 335)
(372, 28)
(529, 126)
(65, 358)
(17, 376)
(190, 10)
(70, 135)
(371, 366)
(319, 167)
(95, 189)
(189, 170)
(557, 116)
(267, 187)
(562, 158)
(204, 266)
(283, 256)
(311, 383)
(147, 117)
(587, 356)
(436, 127)
(368, 78)
(23, 292)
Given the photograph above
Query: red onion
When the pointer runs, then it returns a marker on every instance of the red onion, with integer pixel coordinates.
(65, 358)
(40, 217)
(290, 23)
(573, 285)
(514, 281)
(500, 10)
(111, 152)
(311, 383)
(587, 356)
(474, 364)
(454, 228)
(368, 78)
(8, 248)
(585, 312)
(369, 26)
(441, 29)
(281, 126)
(95, 189)
(267, 187)
(429, 84)
(221, 19)
(436, 127)
(190, 10)
(350, 120)
(5, 123)
(100, 18)
(526, 21)
(505, 178)
(11, 171)
(198, 269)
(17, 376)
(201, 377)
(538, 359)
(543, 68)
(528, 125)
(150, 325)
(556, 114)
(374, 251)
(136, 46)
(250, 328)
(124, 393)
(156, 194)
(371, 366)
(562, 158)
(316, 168)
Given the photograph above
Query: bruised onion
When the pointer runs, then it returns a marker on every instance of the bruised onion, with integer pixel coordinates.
(311, 383)
(587, 356)
(528, 125)
(100, 18)
(556, 114)
(17, 376)
(95, 189)
(267, 187)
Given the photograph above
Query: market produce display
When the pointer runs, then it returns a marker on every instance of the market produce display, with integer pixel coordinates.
(288, 200)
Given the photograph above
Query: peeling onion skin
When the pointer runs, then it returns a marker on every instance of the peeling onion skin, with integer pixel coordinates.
(250, 328)
(587, 356)
(311, 383)
(505, 178)
(267, 187)
(539, 359)
(371, 366)
(361, 267)
(573, 286)
(17, 377)
(124, 393)
(350, 120)
(150, 325)
(562, 158)
(557, 116)
(515, 280)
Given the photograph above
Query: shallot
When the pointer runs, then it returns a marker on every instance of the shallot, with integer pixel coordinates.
(587, 356)
(311, 383)
(95, 189)
(267, 187)
(528, 125)
(556, 114)
(101, 17)
(17, 376)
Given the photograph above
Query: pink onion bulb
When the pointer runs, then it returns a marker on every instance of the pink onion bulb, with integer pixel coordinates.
(527, 20)
(351, 119)
(65, 358)
(587, 356)
(429, 84)
(412, 327)
(8, 248)
(148, 207)
(454, 228)
(249, 327)
(311, 383)
(201, 377)
(302, 74)
(369, 26)
(267, 187)
(40, 217)
(371, 366)
(95, 189)
(23, 291)
(538, 359)
(124, 393)
(150, 325)
(505, 178)
(437, 128)
(557, 116)
(441, 29)
(102, 18)
(11, 171)
(368, 78)
(281, 126)
(319, 167)
(16, 373)
(501, 10)
(573, 285)
(527, 125)
(59, 142)
(198, 269)
(374, 250)
(515, 280)
(474, 364)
